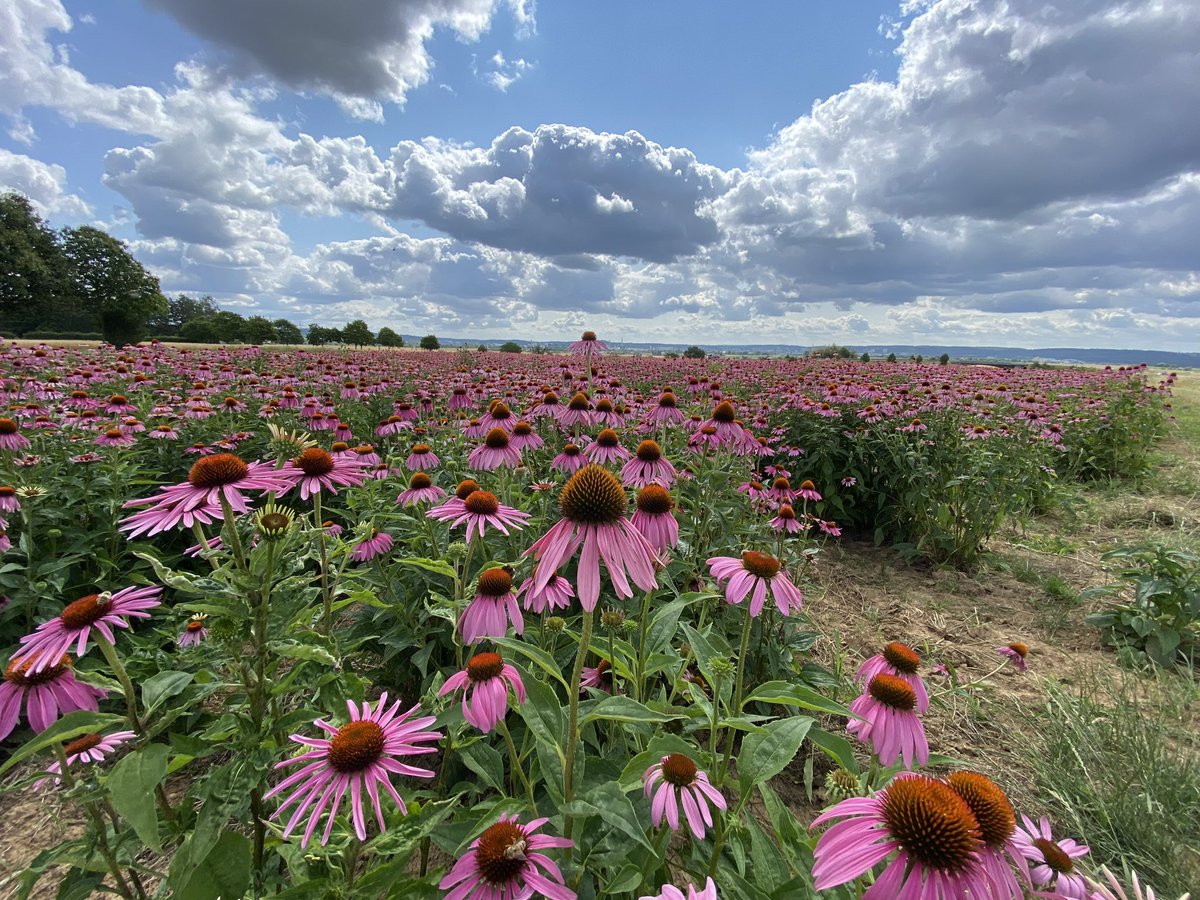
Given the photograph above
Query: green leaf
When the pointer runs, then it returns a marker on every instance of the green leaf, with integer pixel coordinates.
(309, 652)
(537, 655)
(223, 873)
(625, 709)
(614, 809)
(787, 694)
(764, 756)
(543, 716)
(486, 762)
(766, 861)
(436, 566)
(69, 726)
(162, 687)
(132, 783)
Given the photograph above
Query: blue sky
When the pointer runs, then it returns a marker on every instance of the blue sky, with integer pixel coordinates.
(955, 172)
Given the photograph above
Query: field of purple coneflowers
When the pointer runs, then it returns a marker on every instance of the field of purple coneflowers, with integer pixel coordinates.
(487, 626)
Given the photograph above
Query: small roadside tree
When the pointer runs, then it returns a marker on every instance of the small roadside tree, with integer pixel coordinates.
(944, 359)
(430, 342)
(510, 347)
(694, 352)
(866, 357)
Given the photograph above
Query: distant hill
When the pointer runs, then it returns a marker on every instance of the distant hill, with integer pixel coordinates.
(1158, 358)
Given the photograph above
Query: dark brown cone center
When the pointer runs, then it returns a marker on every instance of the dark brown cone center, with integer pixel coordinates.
(484, 666)
(356, 745)
(893, 691)
(482, 503)
(79, 745)
(655, 500)
(679, 770)
(649, 451)
(991, 806)
(593, 496)
(495, 583)
(902, 658)
(216, 470)
(761, 564)
(500, 853)
(497, 439)
(85, 611)
(419, 481)
(1055, 857)
(931, 823)
(314, 462)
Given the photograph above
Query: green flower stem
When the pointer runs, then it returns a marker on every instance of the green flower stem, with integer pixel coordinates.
(736, 708)
(643, 627)
(98, 823)
(235, 540)
(573, 730)
(114, 662)
(515, 757)
(205, 553)
(326, 594)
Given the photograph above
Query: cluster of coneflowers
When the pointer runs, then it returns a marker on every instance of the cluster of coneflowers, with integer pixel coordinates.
(928, 837)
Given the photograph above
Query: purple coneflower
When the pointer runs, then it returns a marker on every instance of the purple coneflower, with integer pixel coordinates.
(362, 754)
(46, 695)
(1052, 863)
(11, 437)
(506, 863)
(578, 412)
(781, 490)
(680, 782)
(648, 466)
(653, 517)
(606, 448)
(91, 748)
(593, 505)
(211, 478)
(315, 470)
(889, 722)
(808, 491)
(379, 543)
(667, 411)
(930, 829)
(785, 520)
(754, 573)
(485, 683)
(556, 594)
(494, 605)
(599, 677)
(999, 852)
(9, 502)
(495, 451)
(194, 633)
(670, 892)
(587, 345)
(1017, 654)
(115, 437)
(524, 437)
(479, 510)
(421, 489)
(52, 639)
(570, 461)
(421, 457)
(902, 661)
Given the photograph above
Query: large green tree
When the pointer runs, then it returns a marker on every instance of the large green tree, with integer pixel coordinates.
(388, 338)
(181, 310)
(259, 330)
(288, 332)
(35, 291)
(229, 326)
(358, 333)
(111, 283)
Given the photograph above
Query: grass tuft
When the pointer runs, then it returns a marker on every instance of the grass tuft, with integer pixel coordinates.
(1120, 767)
